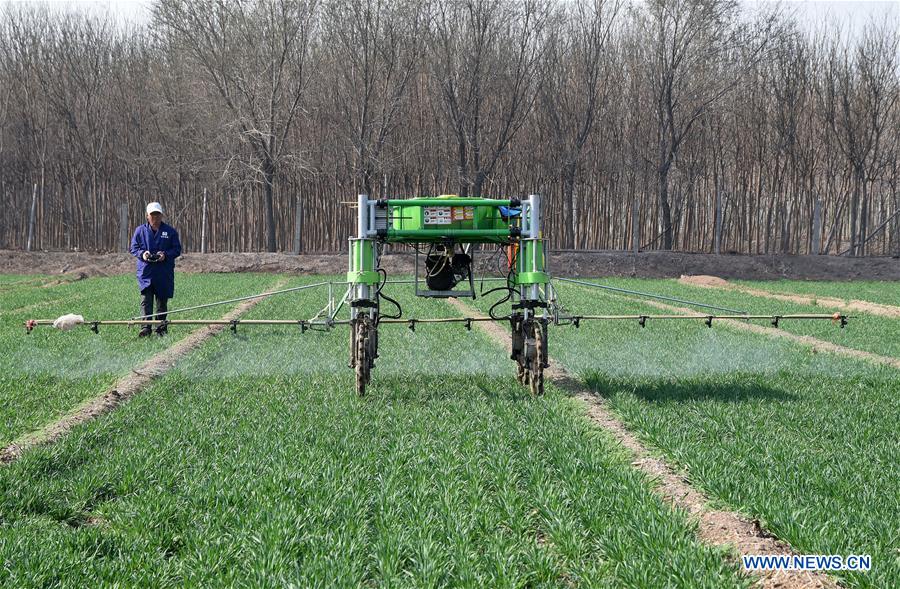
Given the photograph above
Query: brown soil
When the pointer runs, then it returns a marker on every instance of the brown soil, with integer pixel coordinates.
(715, 527)
(67, 266)
(871, 308)
(25, 283)
(125, 388)
(833, 303)
(705, 281)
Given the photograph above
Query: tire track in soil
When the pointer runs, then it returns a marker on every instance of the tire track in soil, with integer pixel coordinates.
(816, 344)
(126, 387)
(853, 305)
(720, 528)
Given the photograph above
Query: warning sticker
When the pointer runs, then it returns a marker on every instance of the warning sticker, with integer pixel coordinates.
(438, 216)
(447, 215)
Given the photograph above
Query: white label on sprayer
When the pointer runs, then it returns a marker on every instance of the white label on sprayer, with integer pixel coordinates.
(438, 216)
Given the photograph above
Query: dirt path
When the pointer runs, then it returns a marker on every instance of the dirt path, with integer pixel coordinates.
(716, 527)
(816, 344)
(126, 387)
(833, 303)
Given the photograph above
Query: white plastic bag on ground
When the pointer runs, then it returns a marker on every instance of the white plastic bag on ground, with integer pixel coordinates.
(67, 322)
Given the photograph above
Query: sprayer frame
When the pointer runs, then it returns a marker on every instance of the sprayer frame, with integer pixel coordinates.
(528, 280)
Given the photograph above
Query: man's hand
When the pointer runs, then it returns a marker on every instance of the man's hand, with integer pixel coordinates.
(145, 256)
(162, 256)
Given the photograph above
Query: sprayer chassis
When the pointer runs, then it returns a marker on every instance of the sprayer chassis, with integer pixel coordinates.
(449, 223)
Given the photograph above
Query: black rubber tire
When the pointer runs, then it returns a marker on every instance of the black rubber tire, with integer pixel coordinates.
(362, 357)
(536, 378)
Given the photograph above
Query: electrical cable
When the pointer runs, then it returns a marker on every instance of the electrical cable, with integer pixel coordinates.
(228, 301)
(508, 296)
(650, 295)
(378, 293)
(511, 291)
(435, 271)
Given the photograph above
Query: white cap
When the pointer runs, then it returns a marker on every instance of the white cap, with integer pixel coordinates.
(154, 207)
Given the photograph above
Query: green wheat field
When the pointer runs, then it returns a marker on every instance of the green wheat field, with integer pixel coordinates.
(253, 463)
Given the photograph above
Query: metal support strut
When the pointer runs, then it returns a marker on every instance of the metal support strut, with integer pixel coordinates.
(363, 278)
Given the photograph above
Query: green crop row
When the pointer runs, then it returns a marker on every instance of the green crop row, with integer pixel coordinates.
(805, 442)
(46, 373)
(255, 464)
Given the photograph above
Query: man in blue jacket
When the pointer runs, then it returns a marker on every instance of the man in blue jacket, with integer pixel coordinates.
(155, 245)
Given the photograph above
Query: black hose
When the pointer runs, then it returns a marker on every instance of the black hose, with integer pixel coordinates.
(510, 291)
(500, 302)
(378, 293)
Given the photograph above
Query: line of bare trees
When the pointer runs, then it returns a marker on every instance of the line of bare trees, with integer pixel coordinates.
(662, 124)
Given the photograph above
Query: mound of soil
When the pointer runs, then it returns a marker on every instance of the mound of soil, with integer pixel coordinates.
(705, 281)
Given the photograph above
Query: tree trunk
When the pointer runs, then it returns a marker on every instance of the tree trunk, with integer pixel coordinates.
(717, 243)
(462, 169)
(863, 221)
(568, 224)
(635, 223)
(478, 184)
(269, 177)
(854, 209)
(816, 247)
(664, 208)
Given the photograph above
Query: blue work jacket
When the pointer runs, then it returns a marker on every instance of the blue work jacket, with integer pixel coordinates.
(160, 274)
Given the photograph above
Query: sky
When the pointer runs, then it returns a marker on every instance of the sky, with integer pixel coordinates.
(135, 11)
(811, 14)
(853, 15)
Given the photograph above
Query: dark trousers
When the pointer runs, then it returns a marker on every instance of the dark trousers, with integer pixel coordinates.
(162, 305)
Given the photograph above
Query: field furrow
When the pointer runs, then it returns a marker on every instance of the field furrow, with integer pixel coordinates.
(254, 464)
(874, 291)
(47, 373)
(804, 442)
(721, 528)
(869, 333)
(845, 306)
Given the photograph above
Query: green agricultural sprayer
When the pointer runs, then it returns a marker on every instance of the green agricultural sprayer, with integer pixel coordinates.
(442, 231)
(446, 233)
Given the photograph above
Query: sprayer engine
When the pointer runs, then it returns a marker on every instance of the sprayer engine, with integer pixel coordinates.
(445, 267)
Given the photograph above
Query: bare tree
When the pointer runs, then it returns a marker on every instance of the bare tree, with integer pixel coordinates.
(491, 97)
(374, 48)
(697, 51)
(483, 61)
(255, 57)
(863, 91)
(574, 78)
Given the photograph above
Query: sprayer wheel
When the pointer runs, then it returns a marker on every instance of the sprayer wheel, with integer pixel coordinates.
(521, 374)
(536, 380)
(362, 359)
